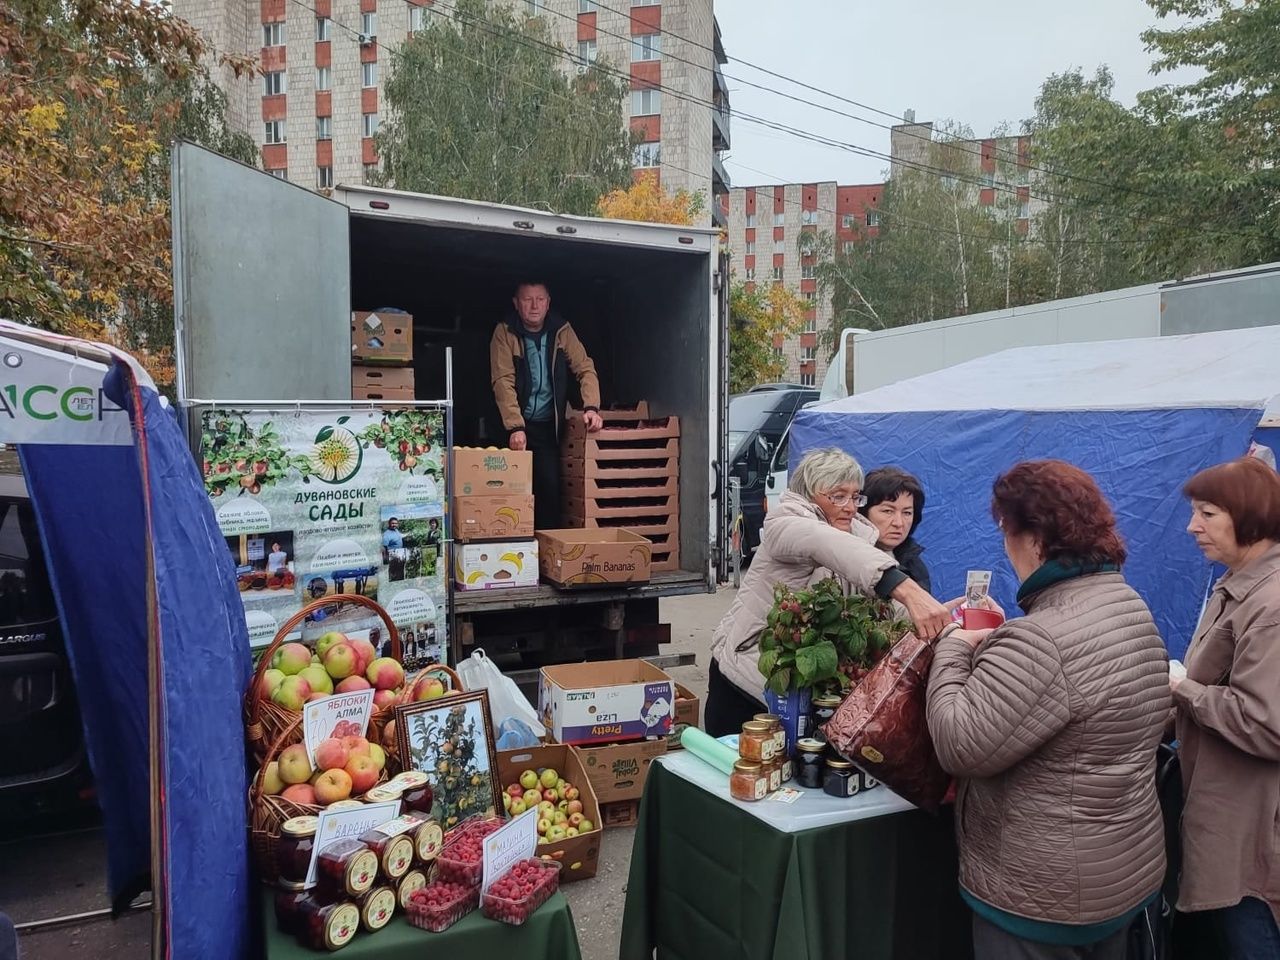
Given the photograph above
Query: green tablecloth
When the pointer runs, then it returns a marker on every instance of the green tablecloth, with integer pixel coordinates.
(547, 935)
(709, 880)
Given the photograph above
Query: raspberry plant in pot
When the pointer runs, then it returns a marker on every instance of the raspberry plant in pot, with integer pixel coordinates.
(818, 638)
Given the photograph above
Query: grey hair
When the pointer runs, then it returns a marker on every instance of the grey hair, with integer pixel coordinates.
(823, 470)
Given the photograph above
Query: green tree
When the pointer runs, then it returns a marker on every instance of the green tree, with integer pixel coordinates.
(481, 106)
(757, 315)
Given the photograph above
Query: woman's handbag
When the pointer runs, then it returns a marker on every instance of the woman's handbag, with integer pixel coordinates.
(881, 726)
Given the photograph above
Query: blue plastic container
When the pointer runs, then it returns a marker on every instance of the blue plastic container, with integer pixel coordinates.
(793, 710)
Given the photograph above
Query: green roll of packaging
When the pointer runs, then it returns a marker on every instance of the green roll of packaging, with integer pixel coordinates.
(708, 749)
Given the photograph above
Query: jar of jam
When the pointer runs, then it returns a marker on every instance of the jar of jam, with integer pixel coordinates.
(809, 764)
(386, 793)
(293, 850)
(841, 779)
(748, 781)
(328, 926)
(289, 916)
(773, 770)
(756, 742)
(346, 867)
(787, 771)
(428, 839)
(344, 805)
(410, 883)
(824, 708)
(376, 908)
(416, 795)
(392, 843)
(774, 723)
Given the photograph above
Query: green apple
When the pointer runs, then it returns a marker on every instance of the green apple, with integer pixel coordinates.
(544, 825)
(559, 819)
(585, 826)
(272, 785)
(291, 658)
(529, 779)
(548, 778)
(517, 807)
(328, 640)
(318, 678)
(571, 831)
(555, 833)
(292, 693)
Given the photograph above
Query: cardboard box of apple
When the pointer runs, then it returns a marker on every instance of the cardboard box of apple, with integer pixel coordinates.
(345, 767)
(560, 809)
(339, 664)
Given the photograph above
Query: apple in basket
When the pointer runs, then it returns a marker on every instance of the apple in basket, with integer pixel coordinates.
(327, 640)
(270, 682)
(294, 766)
(292, 658)
(292, 693)
(363, 773)
(333, 785)
(378, 756)
(332, 754)
(356, 746)
(271, 782)
(340, 660)
(365, 655)
(317, 678)
(384, 699)
(429, 689)
(300, 793)
(351, 685)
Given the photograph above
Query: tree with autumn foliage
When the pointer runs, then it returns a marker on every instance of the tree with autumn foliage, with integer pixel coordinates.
(92, 92)
(757, 316)
(647, 200)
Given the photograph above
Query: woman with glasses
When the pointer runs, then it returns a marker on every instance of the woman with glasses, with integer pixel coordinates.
(813, 533)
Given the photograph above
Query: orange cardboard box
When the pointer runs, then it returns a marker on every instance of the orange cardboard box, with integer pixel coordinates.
(579, 856)
(381, 337)
(495, 473)
(586, 557)
(382, 383)
(492, 518)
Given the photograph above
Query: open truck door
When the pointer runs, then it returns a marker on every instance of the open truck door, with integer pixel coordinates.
(720, 506)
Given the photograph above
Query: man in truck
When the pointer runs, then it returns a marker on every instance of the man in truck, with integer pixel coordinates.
(531, 355)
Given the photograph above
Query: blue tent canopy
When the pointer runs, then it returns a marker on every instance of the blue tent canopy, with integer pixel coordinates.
(154, 630)
(1141, 416)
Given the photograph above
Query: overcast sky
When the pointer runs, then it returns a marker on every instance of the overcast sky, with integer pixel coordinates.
(976, 63)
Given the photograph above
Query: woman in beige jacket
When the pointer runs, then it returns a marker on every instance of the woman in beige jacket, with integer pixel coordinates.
(1228, 713)
(814, 532)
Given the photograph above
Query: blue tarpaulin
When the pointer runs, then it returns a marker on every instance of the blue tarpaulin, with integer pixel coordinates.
(154, 630)
(1141, 416)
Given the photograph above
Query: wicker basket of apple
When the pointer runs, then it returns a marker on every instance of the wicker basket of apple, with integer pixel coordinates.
(290, 674)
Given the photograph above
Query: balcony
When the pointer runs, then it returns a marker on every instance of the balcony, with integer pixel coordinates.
(720, 113)
(719, 177)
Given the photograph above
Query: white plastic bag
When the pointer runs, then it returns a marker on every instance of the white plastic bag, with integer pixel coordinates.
(478, 672)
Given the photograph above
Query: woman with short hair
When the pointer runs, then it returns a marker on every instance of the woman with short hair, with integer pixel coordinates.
(806, 538)
(1050, 723)
(1228, 712)
(895, 504)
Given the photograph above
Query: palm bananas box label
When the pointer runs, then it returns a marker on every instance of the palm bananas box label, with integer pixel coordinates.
(605, 702)
(593, 557)
(492, 518)
(490, 566)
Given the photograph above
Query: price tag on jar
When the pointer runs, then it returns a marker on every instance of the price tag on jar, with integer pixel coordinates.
(348, 822)
(342, 715)
(509, 845)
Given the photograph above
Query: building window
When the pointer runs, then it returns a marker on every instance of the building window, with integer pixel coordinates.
(646, 47)
(806, 271)
(646, 3)
(811, 324)
(322, 78)
(645, 103)
(751, 247)
(369, 24)
(369, 74)
(586, 52)
(324, 177)
(273, 34)
(751, 219)
(1024, 210)
(647, 155)
(751, 273)
(275, 132)
(810, 353)
(273, 83)
(780, 245)
(806, 379)
(809, 297)
(586, 6)
(1024, 176)
(873, 218)
(322, 29)
(846, 221)
(280, 173)
(779, 218)
(370, 172)
(777, 274)
(808, 216)
(417, 17)
(370, 124)
(848, 247)
(324, 128)
(777, 352)
(988, 179)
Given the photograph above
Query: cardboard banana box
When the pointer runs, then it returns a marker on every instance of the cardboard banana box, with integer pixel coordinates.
(489, 566)
(586, 557)
(492, 518)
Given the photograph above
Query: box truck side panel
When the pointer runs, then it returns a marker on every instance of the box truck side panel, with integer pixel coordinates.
(1247, 299)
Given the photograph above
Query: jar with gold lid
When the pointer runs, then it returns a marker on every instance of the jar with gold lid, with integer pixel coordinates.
(809, 762)
(755, 742)
(293, 851)
(748, 781)
(774, 723)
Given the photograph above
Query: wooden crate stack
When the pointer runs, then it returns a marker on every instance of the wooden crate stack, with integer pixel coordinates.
(626, 475)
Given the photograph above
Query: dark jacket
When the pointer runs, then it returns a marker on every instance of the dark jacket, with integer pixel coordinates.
(910, 562)
(509, 369)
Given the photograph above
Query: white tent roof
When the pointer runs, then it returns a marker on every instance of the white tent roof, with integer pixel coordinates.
(1232, 368)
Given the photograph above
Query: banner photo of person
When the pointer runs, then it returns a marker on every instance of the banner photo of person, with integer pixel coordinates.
(326, 501)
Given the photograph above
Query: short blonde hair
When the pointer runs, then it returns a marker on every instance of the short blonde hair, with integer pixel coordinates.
(823, 470)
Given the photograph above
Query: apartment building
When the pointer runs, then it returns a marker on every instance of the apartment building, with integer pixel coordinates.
(316, 107)
(773, 238)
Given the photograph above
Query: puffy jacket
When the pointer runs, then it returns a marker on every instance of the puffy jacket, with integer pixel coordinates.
(798, 547)
(509, 371)
(1052, 725)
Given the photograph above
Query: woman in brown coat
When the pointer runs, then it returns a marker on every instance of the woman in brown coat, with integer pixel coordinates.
(1051, 722)
(1228, 712)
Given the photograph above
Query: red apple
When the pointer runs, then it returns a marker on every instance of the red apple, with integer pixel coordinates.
(300, 793)
(332, 754)
(365, 654)
(550, 795)
(328, 640)
(516, 791)
(270, 682)
(294, 766)
(317, 696)
(363, 773)
(571, 792)
(333, 785)
(429, 689)
(292, 693)
(575, 806)
(340, 660)
(351, 685)
(291, 658)
(575, 819)
(385, 699)
(385, 673)
(356, 746)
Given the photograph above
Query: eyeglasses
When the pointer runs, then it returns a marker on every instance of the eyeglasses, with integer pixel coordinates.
(844, 499)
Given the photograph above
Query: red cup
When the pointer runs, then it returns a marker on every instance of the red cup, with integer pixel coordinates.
(975, 618)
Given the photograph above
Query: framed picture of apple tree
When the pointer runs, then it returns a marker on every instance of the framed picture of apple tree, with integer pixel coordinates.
(321, 500)
(451, 740)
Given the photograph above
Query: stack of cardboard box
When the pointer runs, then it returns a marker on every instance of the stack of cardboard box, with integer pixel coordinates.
(626, 476)
(382, 355)
(492, 520)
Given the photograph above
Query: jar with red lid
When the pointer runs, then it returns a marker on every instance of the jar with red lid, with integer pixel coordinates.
(289, 910)
(346, 867)
(293, 850)
(416, 795)
(376, 908)
(328, 926)
(392, 844)
(410, 883)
